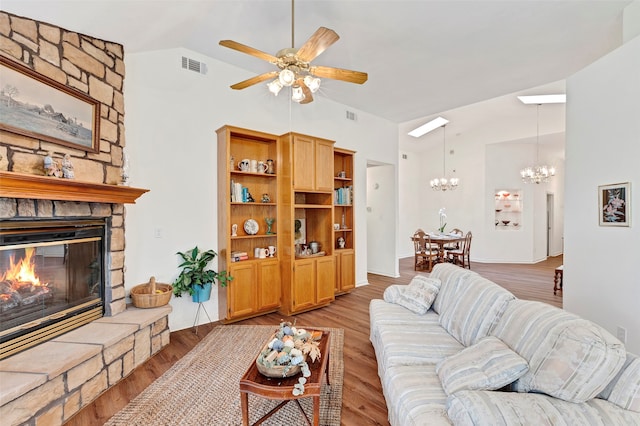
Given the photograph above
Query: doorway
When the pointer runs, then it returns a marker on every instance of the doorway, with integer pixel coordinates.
(381, 219)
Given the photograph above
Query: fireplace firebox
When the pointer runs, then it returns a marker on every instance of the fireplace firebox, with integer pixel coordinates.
(52, 278)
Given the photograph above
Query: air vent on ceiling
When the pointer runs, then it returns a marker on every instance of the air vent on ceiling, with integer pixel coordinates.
(193, 65)
(351, 115)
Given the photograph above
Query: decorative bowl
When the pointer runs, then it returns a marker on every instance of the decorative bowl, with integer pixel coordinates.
(498, 210)
(506, 222)
(515, 224)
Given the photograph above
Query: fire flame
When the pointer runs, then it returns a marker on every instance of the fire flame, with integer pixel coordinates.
(23, 271)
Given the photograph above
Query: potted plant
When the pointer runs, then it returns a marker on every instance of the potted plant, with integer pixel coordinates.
(195, 278)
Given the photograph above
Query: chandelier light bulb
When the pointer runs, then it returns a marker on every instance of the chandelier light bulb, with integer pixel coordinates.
(297, 94)
(312, 83)
(275, 86)
(287, 77)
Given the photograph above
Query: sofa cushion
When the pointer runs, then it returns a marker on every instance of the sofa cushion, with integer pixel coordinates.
(624, 389)
(414, 396)
(413, 344)
(418, 296)
(450, 277)
(612, 414)
(493, 408)
(569, 357)
(487, 365)
(478, 305)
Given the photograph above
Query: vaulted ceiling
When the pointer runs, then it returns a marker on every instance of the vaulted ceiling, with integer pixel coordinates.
(422, 57)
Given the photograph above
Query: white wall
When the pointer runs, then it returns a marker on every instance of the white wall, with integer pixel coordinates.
(171, 118)
(601, 268)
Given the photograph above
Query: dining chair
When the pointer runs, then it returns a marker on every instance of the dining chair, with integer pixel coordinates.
(454, 245)
(425, 252)
(461, 256)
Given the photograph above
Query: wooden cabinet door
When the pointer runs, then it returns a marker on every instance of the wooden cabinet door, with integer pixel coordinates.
(242, 290)
(347, 270)
(323, 165)
(325, 279)
(304, 289)
(269, 285)
(303, 162)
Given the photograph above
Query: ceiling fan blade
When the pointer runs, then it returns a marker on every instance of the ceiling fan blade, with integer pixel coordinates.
(248, 50)
(308, 97)
(254, 80)
(339, 74)
(317, 43)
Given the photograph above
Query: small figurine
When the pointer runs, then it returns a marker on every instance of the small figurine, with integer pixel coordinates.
(266, 198)
(234, 230)
(341, 242)
(67, 167)
(51, 167)
(250, 198)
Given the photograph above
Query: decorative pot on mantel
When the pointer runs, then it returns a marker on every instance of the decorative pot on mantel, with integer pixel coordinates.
(202, 293)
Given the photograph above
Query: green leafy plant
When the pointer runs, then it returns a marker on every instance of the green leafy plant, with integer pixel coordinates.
(195, 272)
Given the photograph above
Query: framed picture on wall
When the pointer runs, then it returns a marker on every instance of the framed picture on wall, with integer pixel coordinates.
(614, 203)
(37, 106)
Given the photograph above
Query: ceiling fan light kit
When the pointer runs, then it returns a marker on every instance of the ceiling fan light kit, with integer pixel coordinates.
(295, 66)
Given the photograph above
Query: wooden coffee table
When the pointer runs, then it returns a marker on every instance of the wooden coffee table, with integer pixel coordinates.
(281, 388)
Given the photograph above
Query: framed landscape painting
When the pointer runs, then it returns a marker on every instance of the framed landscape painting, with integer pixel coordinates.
(615, 204)
(34, 105)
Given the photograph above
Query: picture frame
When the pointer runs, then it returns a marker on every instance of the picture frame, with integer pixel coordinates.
(34, 105)
(614, 204)
(300, 231)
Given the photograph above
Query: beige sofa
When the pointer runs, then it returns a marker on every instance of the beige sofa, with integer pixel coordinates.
(456, 348)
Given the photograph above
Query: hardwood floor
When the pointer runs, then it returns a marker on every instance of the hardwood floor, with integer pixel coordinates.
(362, 400)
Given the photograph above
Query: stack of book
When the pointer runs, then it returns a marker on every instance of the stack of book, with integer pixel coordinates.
(239, 193)
(343, 196)
(237, 256)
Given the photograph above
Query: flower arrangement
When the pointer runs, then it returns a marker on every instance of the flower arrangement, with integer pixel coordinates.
(286, 354)
(443, 218)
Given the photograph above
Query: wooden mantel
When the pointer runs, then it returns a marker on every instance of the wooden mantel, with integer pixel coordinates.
(21, 185)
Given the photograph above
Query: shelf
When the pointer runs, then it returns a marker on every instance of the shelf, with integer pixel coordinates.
(20, 185)
(266, 175)
(245, 237)
(240, 203)
(343, 230)
(311, 206)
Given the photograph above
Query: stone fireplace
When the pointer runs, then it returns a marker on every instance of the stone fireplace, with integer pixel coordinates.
(84, 362)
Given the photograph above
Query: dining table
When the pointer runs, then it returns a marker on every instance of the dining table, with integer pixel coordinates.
(442, 239)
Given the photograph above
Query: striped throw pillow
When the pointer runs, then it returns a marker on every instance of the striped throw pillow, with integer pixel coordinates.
(488, 365)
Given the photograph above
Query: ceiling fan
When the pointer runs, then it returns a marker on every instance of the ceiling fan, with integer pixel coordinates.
(294, 65)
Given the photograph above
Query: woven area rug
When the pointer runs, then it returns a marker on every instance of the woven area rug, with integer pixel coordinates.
(203, 388)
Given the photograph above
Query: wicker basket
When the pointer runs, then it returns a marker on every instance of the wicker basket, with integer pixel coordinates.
(146, 295)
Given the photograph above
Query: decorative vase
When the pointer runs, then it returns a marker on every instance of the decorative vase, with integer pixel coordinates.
(202, 293)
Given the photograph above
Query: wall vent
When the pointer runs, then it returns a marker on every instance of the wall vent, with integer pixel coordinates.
(351, 116)
(193, 65)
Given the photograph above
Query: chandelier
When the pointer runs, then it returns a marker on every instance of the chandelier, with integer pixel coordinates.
(443, 184)
(540, 172)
